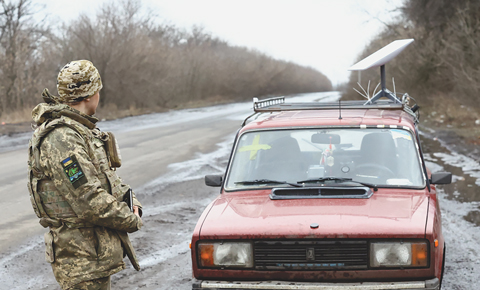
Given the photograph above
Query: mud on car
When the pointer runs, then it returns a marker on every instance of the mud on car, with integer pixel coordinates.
(323, 196)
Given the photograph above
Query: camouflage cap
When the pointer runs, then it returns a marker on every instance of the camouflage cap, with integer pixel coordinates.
(78, 80)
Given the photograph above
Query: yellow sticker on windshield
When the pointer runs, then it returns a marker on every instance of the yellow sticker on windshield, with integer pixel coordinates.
(254, 147)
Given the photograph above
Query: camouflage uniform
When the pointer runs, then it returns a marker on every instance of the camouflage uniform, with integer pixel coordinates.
(97, 284)
(75, 192)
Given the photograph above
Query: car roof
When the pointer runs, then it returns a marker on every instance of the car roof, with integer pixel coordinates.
(331, 118)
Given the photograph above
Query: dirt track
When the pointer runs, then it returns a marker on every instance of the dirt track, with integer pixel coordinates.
(165, 158)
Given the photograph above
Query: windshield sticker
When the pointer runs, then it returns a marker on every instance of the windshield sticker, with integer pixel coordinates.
(254, 147)
(401, 134)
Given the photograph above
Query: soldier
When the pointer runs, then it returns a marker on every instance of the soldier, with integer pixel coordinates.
(74, 188)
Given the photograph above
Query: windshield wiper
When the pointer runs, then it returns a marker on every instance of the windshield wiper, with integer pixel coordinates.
(266, 181)
(338, 179)
(323, 179)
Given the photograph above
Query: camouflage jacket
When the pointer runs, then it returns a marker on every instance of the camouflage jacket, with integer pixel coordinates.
(75, 192)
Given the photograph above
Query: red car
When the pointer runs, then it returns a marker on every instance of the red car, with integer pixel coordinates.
(323, 196)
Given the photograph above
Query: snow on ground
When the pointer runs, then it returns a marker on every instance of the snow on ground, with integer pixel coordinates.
(462, 266)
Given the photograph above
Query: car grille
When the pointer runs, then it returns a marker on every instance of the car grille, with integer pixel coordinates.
(311, 255)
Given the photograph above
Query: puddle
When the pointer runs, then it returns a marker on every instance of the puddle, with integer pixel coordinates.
(465, 186)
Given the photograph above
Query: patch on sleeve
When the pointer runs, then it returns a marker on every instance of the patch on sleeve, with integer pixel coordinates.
(74, 172)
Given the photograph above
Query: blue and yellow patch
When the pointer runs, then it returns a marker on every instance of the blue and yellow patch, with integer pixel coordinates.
(74, 172)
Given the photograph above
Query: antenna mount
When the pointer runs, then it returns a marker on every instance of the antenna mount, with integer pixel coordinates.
(380, 58)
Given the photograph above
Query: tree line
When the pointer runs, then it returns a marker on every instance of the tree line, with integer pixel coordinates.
(145, 66)
(441, 69)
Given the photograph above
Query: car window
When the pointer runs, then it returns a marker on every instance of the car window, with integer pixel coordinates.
(386, 157)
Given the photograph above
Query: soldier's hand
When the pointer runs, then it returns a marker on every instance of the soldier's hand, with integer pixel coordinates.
(135, 210)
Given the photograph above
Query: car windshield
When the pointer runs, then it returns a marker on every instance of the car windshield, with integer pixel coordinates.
(383, 157)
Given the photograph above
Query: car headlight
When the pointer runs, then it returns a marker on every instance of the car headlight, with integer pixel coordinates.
(396, 254)
(227, 254)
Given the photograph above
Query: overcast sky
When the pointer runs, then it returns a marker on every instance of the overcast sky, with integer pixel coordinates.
(327, 35)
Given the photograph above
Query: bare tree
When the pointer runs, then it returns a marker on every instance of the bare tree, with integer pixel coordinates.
(442, 67)
(144, 66)
(20, 37)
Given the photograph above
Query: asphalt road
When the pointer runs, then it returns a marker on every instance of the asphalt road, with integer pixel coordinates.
(165, 157)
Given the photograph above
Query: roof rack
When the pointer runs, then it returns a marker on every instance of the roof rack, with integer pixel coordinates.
(278, 104)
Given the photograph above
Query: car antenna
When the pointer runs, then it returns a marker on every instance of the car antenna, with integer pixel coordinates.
(380, 58)
(339, 109)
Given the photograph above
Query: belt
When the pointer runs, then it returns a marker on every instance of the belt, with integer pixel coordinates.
(56, 223)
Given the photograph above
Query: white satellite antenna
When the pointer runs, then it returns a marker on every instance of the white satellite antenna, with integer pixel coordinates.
(380, 58)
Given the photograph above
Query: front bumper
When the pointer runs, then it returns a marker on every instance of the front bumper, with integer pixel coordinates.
(433, 284)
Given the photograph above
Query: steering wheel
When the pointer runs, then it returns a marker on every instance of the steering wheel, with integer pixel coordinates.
(381, 169)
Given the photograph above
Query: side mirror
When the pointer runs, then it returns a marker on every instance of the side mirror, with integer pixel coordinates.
(441, 178)
(213, 180)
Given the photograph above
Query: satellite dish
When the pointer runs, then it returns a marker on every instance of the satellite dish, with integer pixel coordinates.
(382, 56)
(379, 59)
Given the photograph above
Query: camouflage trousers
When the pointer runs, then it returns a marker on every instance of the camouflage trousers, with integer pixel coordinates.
(97, 284)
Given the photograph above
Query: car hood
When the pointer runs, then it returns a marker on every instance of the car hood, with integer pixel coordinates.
(253, 215)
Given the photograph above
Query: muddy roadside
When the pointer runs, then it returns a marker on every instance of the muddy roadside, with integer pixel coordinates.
(464, 140)
(15, 128)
